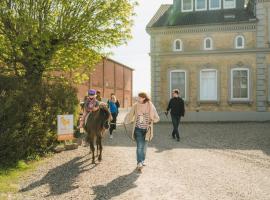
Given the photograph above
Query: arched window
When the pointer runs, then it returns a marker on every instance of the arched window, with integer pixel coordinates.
(208, 43)
(177, 45)
(239, 42)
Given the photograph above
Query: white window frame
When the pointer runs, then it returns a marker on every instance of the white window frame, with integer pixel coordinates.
(207, 70)
(236, 42)
(229, 7)
(204, 43)
(174, 45)
(205, 8)
(211, 8)
(171, 89)
(182, 6)
(248, 84)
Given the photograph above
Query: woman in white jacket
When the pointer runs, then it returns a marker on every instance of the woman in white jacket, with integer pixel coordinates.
(143, 114)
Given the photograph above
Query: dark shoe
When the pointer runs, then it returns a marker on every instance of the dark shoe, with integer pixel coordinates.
(173, 136)
(178, 139)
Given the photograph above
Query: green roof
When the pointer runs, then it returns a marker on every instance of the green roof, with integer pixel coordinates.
(174, 17)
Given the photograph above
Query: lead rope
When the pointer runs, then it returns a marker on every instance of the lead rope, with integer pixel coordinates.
(126, 131)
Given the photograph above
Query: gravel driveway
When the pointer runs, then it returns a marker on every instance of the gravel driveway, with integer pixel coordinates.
(215, 161)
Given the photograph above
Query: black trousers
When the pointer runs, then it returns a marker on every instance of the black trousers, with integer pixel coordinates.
(175, 121)
(113, 121)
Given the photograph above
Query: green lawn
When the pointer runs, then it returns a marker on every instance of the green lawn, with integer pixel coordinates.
(9, 178)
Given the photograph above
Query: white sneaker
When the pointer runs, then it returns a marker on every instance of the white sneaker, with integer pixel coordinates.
(143, 163)
(111, 136)
(139, 166)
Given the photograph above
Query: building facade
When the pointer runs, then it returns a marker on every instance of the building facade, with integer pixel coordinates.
(217, 52)
(109, 77)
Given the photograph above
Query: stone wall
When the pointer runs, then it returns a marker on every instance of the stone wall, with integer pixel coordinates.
(192, 65)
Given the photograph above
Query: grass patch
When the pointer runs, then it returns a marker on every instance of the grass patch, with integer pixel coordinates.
(9, 177)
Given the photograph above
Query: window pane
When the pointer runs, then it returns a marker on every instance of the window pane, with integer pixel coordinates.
(214, 3)
(178, 81)
(240, 84)
(239, 42)
(244, 73)
(178, 45)
(187, 4)
(208, 85)
(229, 3)
(200, 4)
(208, 44)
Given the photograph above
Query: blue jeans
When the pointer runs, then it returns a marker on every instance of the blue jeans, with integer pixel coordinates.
(139, 135)
(176, 121)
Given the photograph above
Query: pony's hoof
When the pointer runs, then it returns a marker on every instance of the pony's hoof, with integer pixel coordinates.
(99, 159)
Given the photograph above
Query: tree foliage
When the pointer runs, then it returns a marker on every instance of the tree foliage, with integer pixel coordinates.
(38, 36)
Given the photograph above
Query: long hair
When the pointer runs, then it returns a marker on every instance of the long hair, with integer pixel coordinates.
(145, 96)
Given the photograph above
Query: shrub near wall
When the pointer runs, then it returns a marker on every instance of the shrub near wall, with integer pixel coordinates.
(28, 117)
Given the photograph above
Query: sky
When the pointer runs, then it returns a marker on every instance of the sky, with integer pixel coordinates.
(136, 53)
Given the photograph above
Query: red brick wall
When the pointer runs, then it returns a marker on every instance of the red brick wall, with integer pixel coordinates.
(110, 77)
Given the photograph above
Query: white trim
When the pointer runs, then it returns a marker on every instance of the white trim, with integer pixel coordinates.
(182, 6)
(211, 8)
(174, 45)
(183, 71)
(204, 43)
(205, 6)
(236, 42)
(207, 70)
(248, 84)
(234, 6)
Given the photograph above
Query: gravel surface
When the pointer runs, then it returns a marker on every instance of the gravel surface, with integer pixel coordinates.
(213, 161)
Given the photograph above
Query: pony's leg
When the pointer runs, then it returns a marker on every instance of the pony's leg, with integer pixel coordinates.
(92, 147)
(97, 146)
(100, 148)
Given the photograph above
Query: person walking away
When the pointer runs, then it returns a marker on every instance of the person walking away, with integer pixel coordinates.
(176, 107)
(142, 114)
(113, 105)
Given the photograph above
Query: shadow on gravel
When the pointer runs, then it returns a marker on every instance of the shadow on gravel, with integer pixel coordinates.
(221, 136)
(116, 187)
(61, 178)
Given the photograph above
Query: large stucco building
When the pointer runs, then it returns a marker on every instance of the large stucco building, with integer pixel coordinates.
(217, 52)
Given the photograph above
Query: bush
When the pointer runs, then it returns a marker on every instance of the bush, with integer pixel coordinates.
(28, 116)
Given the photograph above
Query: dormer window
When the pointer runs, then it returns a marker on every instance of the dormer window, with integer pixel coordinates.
(214, 4)
(177, 45)
(228, 4)
(239, 42)
(187, 5)
(200, 5)
(208, 43)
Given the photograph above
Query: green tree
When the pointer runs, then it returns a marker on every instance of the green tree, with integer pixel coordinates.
(39, 36)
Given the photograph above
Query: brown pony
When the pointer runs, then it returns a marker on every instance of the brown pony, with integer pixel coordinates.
(96, 124)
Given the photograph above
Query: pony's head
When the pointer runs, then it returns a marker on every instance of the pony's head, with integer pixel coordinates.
(105, 116)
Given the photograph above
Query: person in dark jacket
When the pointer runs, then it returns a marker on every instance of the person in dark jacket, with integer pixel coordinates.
(113, 105)
(176, 107)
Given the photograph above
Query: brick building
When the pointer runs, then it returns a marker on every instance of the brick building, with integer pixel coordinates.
(217, 52)
(109, 77)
